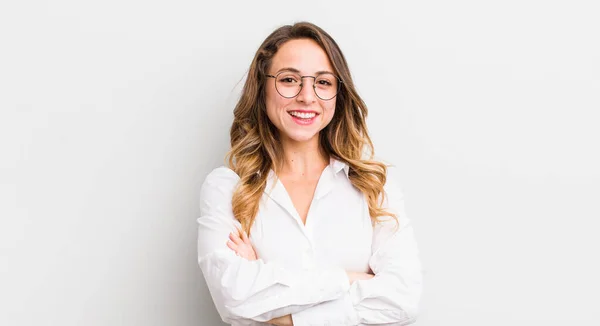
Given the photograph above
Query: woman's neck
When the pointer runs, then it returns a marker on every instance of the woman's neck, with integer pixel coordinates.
(303, 158)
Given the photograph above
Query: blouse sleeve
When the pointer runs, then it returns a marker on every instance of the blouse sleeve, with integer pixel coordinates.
(392, 296)
(245, 291)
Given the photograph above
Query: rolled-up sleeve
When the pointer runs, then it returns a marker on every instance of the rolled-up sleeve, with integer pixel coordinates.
(247, 291)
(392, 296)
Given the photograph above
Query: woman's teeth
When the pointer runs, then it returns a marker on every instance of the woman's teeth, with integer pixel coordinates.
(303, 115)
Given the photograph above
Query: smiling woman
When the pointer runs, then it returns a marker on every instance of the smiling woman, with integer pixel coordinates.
(304, 227)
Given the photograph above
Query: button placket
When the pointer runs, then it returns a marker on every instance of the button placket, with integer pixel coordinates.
(307, 258)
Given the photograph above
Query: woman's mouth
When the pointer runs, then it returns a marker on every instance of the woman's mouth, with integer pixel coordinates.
(303, 117)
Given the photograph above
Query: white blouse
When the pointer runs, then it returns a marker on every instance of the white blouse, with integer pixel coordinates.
(301, 268)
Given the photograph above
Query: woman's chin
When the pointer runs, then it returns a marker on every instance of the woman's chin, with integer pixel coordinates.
(301, 137)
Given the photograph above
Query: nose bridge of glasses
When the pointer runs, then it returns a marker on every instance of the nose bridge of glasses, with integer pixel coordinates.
(313, 77)
(308, 91)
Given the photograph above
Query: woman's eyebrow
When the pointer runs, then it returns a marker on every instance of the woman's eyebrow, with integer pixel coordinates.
(289, 69)
(298, 71)
(323, 72)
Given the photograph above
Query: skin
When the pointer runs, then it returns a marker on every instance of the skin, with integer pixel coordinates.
(304, 160)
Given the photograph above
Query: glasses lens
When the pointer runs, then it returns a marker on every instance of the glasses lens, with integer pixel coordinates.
(326, 86)
(288, 84)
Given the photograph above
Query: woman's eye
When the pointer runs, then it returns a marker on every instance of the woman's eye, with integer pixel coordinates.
(324, 82)
(288, 80)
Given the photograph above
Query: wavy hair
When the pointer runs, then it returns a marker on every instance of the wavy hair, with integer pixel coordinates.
(255, 149)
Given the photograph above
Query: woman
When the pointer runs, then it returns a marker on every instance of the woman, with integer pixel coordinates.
(304, 227)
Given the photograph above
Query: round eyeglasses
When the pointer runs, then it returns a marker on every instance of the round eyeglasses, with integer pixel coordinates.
(289, 84)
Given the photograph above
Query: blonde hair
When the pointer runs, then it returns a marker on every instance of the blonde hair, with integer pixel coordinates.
(255, 149)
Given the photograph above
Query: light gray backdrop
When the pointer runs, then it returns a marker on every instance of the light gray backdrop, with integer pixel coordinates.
(113, 112)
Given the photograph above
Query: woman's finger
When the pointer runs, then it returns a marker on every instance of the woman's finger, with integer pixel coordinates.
(235, 238)
(242, 235)
(245, 237)
(232, 245)
(235, 249)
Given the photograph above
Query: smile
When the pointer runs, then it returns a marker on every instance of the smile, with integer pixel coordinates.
(303, 117)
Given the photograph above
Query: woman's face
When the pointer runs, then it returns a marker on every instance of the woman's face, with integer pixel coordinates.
(300, 118)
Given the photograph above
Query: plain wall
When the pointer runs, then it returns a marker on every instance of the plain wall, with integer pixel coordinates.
(113, 112)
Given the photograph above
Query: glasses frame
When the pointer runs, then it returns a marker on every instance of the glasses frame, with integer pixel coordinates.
(339, 87)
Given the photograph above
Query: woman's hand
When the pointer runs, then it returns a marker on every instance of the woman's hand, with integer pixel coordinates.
(241, 245)
(282, 321)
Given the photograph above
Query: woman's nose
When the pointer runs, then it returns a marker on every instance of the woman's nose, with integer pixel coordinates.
(307, 92)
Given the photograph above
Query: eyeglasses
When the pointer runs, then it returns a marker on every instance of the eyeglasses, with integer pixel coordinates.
(289, 84)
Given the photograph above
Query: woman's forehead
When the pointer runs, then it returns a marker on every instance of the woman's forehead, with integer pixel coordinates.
(304, 56)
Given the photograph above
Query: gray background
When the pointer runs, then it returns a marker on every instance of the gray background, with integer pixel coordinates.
(113, 112)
